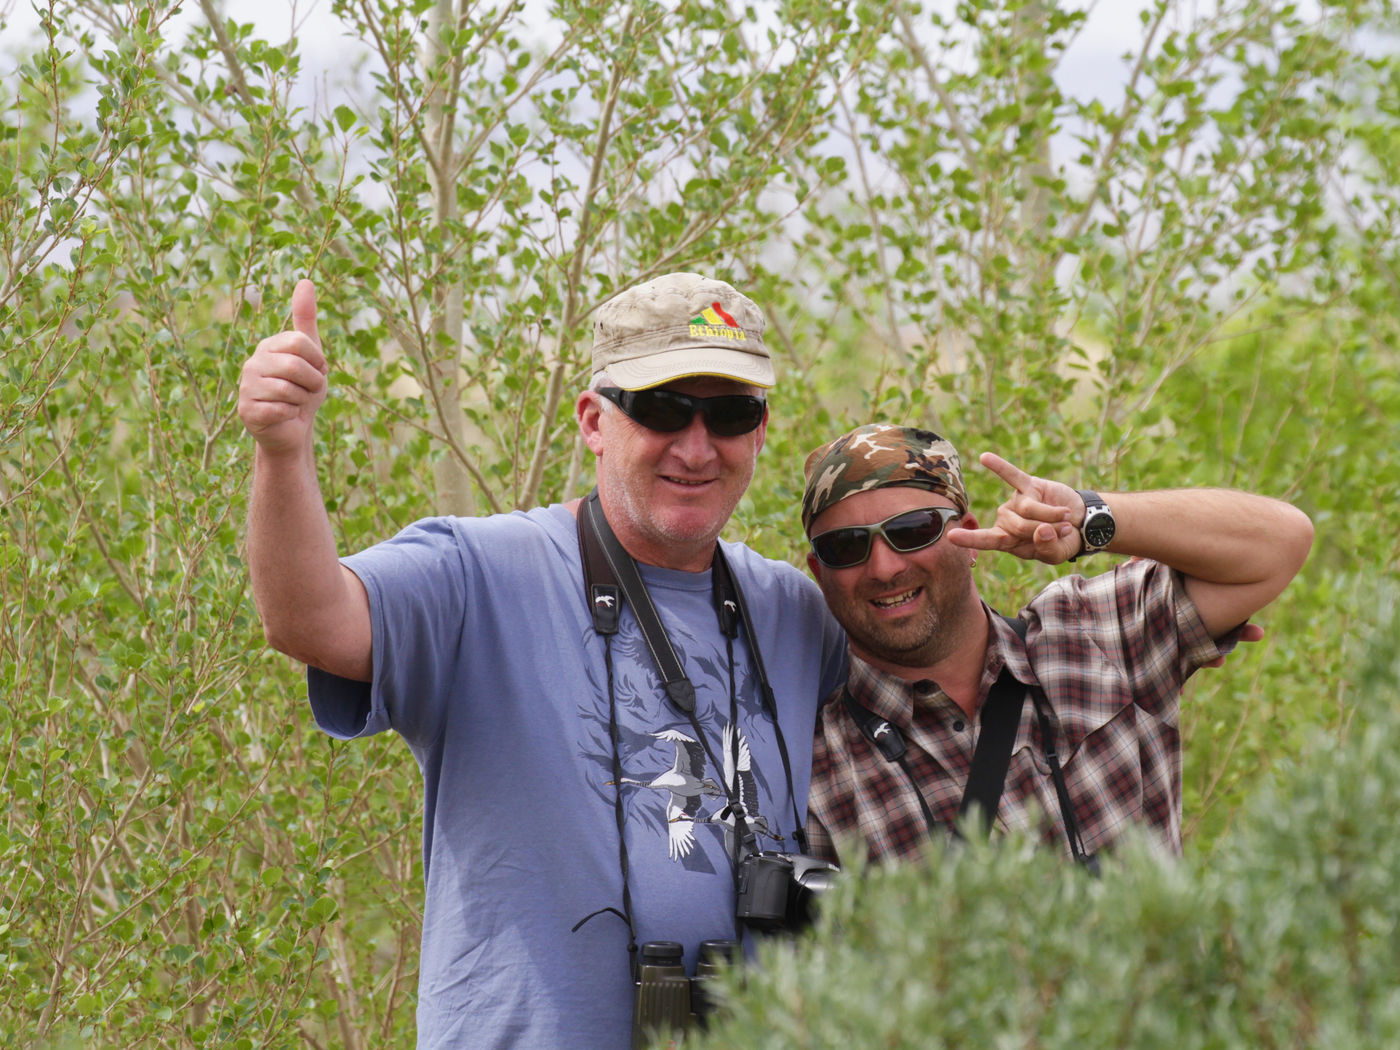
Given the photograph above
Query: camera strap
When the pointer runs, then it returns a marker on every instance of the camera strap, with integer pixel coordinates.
(726, 584)
(1049, 730)
(986, 779)
(611, 578)
(1000, 715)
(889, 741)
(610, 574)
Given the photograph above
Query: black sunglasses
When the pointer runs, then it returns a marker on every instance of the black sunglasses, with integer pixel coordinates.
(666, 411)
(913, 530)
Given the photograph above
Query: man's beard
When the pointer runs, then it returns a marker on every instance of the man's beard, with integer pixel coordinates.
(929, 636)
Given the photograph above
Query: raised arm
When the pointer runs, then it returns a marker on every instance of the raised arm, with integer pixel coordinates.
(312, 608)
(1237, 550)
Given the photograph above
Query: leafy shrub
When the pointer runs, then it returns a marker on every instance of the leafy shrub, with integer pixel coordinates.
(1287, 936)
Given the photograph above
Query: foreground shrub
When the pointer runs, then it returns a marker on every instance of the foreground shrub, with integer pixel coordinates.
(1285, 937)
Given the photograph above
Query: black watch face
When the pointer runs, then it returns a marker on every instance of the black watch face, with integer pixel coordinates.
(1098, 530)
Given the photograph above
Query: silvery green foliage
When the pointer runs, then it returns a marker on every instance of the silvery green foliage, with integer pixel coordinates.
(1286, 936)
(1191, 283)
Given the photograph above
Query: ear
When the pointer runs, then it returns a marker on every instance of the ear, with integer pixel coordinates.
(814, 566)
(588, 410)
(969, 521)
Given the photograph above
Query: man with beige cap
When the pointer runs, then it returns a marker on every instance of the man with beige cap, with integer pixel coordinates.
(593, 773)
(1062, 723)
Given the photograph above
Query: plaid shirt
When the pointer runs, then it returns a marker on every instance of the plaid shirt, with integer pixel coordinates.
(1110, 652)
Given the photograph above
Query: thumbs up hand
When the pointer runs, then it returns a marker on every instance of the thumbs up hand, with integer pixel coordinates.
(284, 382)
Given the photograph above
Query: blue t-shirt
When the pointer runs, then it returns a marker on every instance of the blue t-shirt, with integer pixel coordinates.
(487, 664)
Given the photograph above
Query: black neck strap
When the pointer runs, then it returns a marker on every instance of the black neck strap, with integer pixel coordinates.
(986, 779)
(1000, 716)
(889, 741)
(730, 604)
(1049, 731)
(611, 578)
(611, 574)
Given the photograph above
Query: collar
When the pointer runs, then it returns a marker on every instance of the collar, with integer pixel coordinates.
(893, 698)
(888, 695)
(1005, 647)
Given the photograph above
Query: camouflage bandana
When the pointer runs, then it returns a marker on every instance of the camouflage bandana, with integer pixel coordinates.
(878, 455)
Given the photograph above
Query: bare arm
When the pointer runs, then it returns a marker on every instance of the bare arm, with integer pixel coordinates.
(1237, 550)
(312, 608)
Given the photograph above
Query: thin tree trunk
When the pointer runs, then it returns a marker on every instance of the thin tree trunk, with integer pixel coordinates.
(451, 481)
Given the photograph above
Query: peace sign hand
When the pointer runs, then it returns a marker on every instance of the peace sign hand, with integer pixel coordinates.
(1035, 522)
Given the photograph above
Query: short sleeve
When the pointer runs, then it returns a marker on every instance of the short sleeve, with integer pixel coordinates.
(418, 586)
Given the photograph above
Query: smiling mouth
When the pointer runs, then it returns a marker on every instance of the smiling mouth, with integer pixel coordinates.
(893, 601)
(689, 482)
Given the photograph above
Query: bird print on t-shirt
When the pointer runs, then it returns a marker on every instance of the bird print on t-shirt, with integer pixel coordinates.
(738, 775)
(687, 784)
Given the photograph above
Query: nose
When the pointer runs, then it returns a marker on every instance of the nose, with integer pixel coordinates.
(884, 562)
(694, 444)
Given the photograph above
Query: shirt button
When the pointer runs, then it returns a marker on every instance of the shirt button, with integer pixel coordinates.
(923, 687)
(958, 727)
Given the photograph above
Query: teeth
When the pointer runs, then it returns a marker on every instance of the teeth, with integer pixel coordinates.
(898, 599)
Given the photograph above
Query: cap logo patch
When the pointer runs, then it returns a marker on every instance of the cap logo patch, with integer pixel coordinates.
(714, 323)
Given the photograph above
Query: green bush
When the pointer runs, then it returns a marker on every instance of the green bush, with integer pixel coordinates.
(1286, 936)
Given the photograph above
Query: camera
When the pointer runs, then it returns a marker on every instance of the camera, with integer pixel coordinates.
(668, 1000)
(778, 891)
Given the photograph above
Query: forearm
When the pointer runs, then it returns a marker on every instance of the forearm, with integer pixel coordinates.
(311, 607)
(1237, 550)
(1216, 535)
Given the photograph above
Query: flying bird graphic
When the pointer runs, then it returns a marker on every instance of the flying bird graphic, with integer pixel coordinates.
(738, 773)
(687, 784)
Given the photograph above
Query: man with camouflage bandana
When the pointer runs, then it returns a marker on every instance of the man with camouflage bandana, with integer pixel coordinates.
(893, 548)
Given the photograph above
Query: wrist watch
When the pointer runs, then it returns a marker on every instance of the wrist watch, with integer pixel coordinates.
(1098, 528)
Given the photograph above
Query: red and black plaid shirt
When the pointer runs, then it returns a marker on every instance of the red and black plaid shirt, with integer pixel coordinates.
(1110, 653)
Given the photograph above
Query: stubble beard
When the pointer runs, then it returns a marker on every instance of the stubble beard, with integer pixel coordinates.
(929, 638)
(661, 531)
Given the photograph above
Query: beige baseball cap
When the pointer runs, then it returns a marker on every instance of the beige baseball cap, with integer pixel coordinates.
(680, 325)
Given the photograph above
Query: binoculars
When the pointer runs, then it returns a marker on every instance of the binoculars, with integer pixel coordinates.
(668, 1000)
(774, 892)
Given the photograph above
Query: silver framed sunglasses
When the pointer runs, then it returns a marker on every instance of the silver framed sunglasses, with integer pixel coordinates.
(906, 532)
